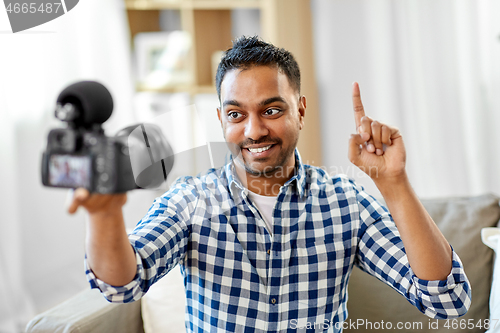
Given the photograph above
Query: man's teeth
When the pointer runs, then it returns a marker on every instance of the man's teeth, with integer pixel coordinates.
(259, 150)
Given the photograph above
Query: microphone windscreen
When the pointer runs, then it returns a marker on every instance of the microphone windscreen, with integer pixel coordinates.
(93, 100)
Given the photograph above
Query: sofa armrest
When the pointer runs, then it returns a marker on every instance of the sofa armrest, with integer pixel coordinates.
(89, 311)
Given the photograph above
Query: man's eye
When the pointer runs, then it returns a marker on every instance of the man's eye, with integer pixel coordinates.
(234, 115)
(272, 112)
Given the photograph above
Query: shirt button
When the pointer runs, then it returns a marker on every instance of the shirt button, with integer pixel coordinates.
(273, 301)
(268, 251)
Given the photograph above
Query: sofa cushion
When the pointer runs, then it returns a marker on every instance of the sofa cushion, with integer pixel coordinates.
(461, 221)
(163, 306)
(88, 312)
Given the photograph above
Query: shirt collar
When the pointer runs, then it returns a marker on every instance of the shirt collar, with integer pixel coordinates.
(298, 180)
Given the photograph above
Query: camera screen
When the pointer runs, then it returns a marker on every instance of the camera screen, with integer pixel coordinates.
(70, 171)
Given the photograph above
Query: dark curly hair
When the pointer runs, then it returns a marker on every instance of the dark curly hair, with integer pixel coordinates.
(253, 51)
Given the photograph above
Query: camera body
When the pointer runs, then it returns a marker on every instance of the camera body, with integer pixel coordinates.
(76, 158)
(81, 155)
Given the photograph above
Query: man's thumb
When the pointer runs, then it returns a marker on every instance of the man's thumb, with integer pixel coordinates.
(76, 198)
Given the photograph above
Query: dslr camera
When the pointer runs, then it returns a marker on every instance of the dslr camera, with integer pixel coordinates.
(81, 155)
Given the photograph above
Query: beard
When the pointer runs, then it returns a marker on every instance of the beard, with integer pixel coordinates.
(252, 167)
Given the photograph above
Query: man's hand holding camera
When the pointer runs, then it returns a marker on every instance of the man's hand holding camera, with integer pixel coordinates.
(97, 203)
(81, 156)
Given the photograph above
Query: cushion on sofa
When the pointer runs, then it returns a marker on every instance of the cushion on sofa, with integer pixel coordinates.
(461, 221)
(163, 306)
(88, 311)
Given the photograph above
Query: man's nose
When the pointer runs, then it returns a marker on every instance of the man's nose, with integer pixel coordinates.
(255, 128)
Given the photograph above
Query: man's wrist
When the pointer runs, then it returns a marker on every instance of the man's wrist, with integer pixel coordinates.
(106, 215)
(393, 186)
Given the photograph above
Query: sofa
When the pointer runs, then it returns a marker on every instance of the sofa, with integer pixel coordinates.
(372, 305)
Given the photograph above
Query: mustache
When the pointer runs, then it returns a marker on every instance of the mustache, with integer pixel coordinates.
(265, 139)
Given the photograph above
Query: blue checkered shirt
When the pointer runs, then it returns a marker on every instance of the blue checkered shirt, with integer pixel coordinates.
(240, 278)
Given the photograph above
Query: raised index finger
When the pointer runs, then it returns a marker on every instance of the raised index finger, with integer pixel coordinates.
(359, 111)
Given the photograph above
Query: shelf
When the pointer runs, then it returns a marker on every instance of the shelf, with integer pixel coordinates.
(191, 89)
(191, 4)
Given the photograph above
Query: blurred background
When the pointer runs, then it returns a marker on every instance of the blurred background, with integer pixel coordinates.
(429, 67)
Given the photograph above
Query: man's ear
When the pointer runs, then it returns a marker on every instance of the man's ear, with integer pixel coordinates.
(302, 110)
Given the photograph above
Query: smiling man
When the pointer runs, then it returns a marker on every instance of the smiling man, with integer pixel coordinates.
(266, 243)
(261, 117)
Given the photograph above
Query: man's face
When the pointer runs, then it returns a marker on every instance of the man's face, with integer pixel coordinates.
(261, 116)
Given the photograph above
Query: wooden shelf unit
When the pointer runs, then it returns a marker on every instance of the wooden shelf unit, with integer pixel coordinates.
(285, 23)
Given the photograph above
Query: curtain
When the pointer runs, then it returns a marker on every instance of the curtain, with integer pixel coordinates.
(41, 247)
(430, 68)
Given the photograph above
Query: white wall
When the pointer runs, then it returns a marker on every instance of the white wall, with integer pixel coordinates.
(341, 53)
(428, 67)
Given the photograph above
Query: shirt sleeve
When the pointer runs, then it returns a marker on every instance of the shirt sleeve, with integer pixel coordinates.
(381, 253)
(159, 240)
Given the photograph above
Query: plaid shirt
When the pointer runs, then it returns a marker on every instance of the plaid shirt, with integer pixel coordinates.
(239, 278)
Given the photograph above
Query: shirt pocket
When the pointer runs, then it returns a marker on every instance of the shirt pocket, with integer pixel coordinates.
(321, 267)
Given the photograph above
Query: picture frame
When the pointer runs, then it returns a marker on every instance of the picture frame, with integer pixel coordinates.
(162, 59)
